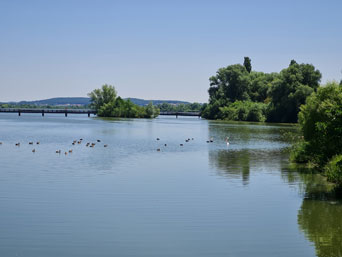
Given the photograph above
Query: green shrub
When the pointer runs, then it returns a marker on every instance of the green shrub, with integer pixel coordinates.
(333, 169)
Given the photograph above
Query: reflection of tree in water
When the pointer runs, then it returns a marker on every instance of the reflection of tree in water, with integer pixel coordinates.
(320, 216)
(231, 164)
(234, 164)
(321, 222)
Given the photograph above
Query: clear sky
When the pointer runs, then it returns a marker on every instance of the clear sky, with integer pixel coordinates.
(157, 49)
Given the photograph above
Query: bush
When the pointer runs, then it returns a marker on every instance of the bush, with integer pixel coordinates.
(320, 120)
(244, 111)
(333, 169)
(299, 153)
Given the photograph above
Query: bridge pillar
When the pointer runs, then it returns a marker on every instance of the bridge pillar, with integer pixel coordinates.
(88, 114)
(43, 113)
(66, 114)
(176, 116)
(19, 113)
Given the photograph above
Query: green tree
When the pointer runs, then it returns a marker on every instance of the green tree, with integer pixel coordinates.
(290, 90)
(106, 95)
(107, 104)
(230, 83)
(320, 121)
(247, 64)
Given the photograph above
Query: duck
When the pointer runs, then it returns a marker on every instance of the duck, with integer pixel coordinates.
(70, 151)
(98, 140)
(165, 144)
(158, 150)
(34, 150)
(58, 151)
(65, 153)
(158, 138)
(181, 144)
(30, 143)
(105, 146)
(17, 144)
(38, 143)
(0, 143)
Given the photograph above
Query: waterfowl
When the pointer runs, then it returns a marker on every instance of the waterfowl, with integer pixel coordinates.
(181, 144)
(105, 145)
(30, 143)
(0, 143)
(79, 142)
(58, 151)
(158, 150)
(165, 144)
(87, 144)
(98, 140)
(34, 150)
(73, 143)
(38, 143)
(227, 140)
(17, 144)
(70, 151)
(158, 138)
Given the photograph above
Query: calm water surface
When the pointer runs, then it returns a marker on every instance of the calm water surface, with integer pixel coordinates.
(199, 199)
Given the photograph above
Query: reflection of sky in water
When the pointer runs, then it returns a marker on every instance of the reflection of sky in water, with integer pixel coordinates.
(199, 199)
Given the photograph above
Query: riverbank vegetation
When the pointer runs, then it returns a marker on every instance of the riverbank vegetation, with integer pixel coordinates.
(107, 104)
(238, 93)
(320, 121)
(191, 107)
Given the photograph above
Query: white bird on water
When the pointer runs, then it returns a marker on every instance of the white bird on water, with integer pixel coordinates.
(227, 141)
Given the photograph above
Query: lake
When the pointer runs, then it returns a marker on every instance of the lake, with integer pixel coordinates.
(129, 199)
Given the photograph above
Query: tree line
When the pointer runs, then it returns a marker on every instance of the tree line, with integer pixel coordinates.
(237, 92)
(191, 107)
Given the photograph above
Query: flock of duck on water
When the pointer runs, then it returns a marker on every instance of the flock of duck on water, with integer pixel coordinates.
(66, 152)
(91, 145)
(211, 140)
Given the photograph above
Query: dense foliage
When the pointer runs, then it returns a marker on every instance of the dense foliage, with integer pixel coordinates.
(167, 107)
(320, 121)
(107, 104)
(273, 97)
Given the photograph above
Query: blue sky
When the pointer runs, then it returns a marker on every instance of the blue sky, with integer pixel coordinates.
(157, 49)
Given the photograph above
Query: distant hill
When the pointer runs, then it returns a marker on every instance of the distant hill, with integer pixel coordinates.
(143, 102)
(81, 101)
(58, 101)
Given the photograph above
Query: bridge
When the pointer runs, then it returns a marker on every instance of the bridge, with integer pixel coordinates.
(82, 111)
(43, 111)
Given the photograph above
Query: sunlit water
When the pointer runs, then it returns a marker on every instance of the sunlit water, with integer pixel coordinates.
(128, 199)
